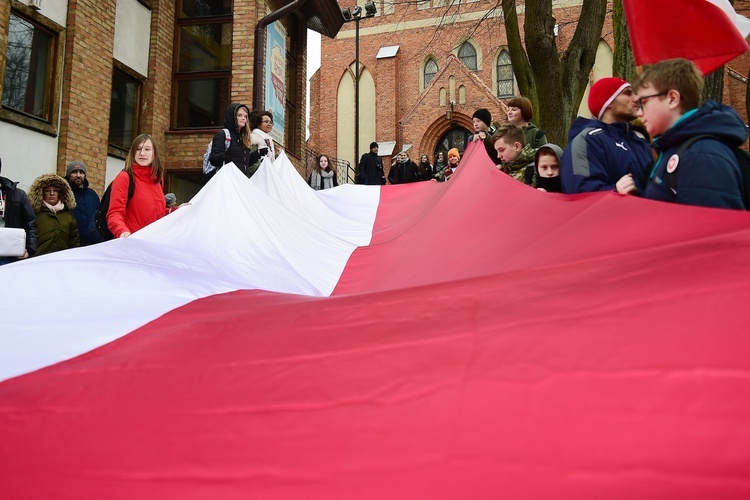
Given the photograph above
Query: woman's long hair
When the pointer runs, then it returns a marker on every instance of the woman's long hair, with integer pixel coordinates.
(331, 165)
(157, 168)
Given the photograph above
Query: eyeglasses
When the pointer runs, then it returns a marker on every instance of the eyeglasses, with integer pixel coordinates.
(642, 100)
(267, 121)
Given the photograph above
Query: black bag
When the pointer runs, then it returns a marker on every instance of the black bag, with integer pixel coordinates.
(100, 217)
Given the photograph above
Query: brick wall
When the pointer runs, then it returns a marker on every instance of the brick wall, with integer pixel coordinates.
(87, 87)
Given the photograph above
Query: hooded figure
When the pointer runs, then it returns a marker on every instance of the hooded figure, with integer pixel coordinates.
(549, 184)
(52, 200)
(239, 151)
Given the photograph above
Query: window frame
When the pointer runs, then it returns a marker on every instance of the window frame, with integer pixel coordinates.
(476, 55)
(117, 66)
(497, 75)
(179, 77)
(425, 81)
(53, 89)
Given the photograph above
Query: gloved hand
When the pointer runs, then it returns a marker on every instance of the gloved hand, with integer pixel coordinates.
(262, 152)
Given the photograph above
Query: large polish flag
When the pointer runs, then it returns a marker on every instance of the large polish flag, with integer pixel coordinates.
(471, 339)
(708, 32)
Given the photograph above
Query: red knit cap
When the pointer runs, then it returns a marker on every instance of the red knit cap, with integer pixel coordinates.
(603, 92)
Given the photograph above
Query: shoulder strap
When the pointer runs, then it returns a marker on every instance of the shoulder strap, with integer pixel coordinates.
(227, 138)
(131, 187)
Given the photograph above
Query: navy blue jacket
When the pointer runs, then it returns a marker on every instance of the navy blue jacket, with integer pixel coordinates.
(708, 173)
(87, 203)
(600, 154)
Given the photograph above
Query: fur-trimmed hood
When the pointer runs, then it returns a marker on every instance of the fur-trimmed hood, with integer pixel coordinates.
(50, 180)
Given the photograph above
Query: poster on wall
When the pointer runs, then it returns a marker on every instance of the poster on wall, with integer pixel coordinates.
(276, 78)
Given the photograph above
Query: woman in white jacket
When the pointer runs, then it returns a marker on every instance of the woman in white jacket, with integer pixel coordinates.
(261, 123)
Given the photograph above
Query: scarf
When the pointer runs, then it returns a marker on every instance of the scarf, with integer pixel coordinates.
(317, 176)
(54, 208)
(549, 184)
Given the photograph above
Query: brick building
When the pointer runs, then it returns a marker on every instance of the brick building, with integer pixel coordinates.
(419, 85)
(80, 79)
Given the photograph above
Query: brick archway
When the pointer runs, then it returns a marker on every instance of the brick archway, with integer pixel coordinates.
(440, 126)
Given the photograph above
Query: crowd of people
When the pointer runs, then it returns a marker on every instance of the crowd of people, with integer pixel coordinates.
(653, 138)
(642, 138)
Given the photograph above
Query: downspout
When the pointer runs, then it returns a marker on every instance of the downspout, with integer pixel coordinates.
(260, 42)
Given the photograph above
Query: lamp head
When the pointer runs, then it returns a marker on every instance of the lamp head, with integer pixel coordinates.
(357, 13)
(370, 9)
(346, 13)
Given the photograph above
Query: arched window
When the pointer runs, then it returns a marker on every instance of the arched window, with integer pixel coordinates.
(430, 69)
(468, 55)
(457, 137)
(504, 75)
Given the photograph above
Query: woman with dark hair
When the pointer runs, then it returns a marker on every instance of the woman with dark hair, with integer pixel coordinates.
(520, 113)
(323, 175)
(143, 167)
(261, 124)
(426, 170)
(233, 145)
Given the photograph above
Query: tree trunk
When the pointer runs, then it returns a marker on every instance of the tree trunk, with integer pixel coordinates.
(623, 64)
(713, 87)
(554, 85)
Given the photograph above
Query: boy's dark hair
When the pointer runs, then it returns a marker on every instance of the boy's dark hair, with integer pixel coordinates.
(675, 74)
(522, 103)
(511, 133)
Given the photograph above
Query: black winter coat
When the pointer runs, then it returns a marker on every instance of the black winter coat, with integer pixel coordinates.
(18, 212)
(244, 158)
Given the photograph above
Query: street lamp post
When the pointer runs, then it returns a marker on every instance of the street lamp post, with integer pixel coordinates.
(356, 15)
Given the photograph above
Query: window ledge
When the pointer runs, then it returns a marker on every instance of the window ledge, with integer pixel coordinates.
(28, 122)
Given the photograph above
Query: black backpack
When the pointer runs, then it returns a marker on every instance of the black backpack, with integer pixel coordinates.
(100, 217)
(742, 156)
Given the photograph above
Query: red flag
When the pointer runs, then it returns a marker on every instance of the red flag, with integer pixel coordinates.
(470, 339)
(704, 31)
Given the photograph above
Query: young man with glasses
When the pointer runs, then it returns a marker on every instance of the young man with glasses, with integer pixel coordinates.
(704, 172)
(606, 153)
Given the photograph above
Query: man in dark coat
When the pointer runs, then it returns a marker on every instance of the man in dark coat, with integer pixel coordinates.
(606, 153)
(87, 202)
(16, 211)
(370, 170)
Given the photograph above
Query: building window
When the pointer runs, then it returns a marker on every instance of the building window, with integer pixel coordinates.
(203, 54)
(468, 55)
(124, 109)
(30, 69)
(504, 75)
(430, 70)
(457, 137)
